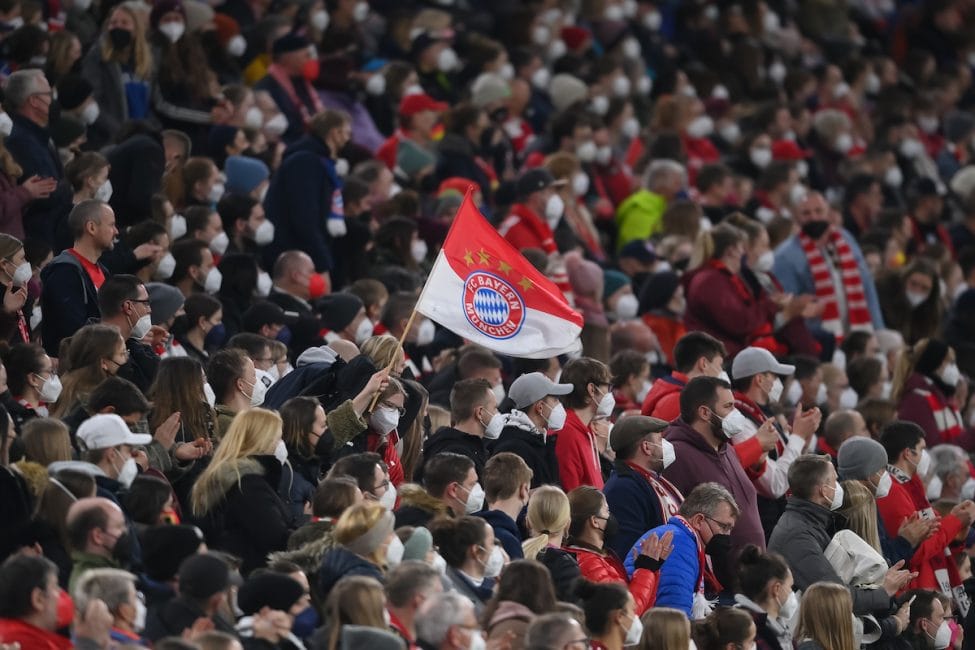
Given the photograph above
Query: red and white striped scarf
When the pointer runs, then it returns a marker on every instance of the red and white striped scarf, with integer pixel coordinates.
(856, 300)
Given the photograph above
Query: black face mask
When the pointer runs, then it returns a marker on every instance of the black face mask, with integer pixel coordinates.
(122, 553)
(719, 547)
(499, 115)
(119, 38)
(611, 530)
(54, 113)
(815, 229)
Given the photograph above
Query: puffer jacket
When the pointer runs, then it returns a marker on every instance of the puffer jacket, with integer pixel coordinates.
(599, 566)
(663, 400)
(680, 575)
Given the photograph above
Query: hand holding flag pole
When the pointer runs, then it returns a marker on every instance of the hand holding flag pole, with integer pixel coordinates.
(392, 360)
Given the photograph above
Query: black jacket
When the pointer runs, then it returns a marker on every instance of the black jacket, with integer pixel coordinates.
(176, 615)
(142, 365)
(448, 439)
(69, 300)
(244, 515)
(539, 454)
(306, 332)
(340, 562)
(564, 568)
(456, 156)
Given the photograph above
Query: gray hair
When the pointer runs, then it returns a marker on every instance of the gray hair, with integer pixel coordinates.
(705, 499)
(440, 613)
(549, 631)
(113, 586)
(947, 460)
(89, 210)
(408, 579)
(830, 122)
(20, 86)
(659, 172)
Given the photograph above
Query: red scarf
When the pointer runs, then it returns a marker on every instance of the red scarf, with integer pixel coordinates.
(281, 76)
(856, 300)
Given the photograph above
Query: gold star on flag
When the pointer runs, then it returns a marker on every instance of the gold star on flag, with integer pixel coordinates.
(485, 258)
(525, 284)
(468, 258)
(504, 267)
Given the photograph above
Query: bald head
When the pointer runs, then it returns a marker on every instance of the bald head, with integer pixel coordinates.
(94, 525)
(632, 335)
(290, 262)
(843, 425)
(347, 350)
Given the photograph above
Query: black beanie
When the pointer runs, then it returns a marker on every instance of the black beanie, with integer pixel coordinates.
(933, 356)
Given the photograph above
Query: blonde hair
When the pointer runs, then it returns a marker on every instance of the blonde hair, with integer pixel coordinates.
(548, 514)
(355, 600)
(46, 440)
(252, 432)
(665, 628)
(860, 510)
(439, 417)
(9, 245)
(824, 616)
(138, 51)
(383, 350)
(712, 244)
(907, 360)
(358, 520)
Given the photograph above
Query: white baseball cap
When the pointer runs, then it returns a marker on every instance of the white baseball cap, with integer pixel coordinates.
(107, 430)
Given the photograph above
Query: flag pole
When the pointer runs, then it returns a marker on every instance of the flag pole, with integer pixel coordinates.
(392, 360)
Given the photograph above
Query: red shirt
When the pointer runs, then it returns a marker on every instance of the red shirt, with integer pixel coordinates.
(93, 270)
(393, 464)
(13, 630)
(400, 629)
(575, 449)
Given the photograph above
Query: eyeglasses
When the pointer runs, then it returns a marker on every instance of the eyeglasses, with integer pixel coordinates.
(723, 527)
(143, 302)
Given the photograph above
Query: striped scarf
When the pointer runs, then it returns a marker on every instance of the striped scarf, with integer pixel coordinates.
(856, 300)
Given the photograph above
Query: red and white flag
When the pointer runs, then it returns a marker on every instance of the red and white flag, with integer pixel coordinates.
(483, 290)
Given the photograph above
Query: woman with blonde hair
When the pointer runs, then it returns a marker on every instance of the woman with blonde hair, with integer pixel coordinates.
(566, 167)
(46, 441)
(119, 68)
(825, 622)
(860, 510)
(95, 353)
(366, 544)
(548, 520)
(665, 628)
(357, 600)
(235, 498)
(384, 350)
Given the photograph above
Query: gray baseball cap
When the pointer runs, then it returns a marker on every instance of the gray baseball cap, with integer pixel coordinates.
(753, 361)
(530, 388)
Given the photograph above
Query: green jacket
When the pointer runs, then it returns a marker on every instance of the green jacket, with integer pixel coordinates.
(639, 217)
(83, 562)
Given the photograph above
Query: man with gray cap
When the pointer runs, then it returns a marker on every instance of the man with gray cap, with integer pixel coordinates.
(865, 460)
(764, 446)
(537, 411)
(637, 495)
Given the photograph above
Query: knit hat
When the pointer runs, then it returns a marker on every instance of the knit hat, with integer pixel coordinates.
(163, 7)
(632, 429)
(289, 43)
(566, 90)
(263, 313)
(198, 14)
(585, 277)
(338, 310)
(165, 547)
(958, 125)
(66, 130)
(933, 356)
(276, 591)
(640, 250)
(221, 135)
(244, 174)
(489, 88)
(367, 543)
(73, 90)
(613, 281)
(860, 458)
(418, 545)
(658, 290)
(165, 300)
(227, 28)
(575, 37)
(203, 575)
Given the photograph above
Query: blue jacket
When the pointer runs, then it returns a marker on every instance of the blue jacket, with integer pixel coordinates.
(340, 562)
(678, 576)
(505, 532)
(792, 271)
(302, 195)
(69, 300)
(634, 503)
(31, 147)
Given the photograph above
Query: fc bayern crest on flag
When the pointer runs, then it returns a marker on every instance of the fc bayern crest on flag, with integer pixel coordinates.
(492, 305)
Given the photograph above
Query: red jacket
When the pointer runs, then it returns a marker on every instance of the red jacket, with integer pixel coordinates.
(602, 567)
(14, 630)
(720, 304)
(929, 557)
(525, 229)
(663, 400)
(388, 451)
(923, 403)
(575, 449)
